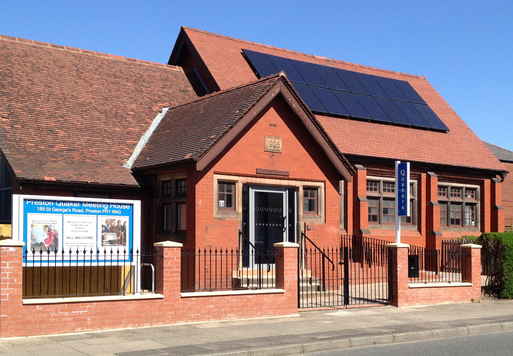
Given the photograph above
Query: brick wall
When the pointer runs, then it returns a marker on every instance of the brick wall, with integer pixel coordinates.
(169, 306)
(406, 294)
(18, 319)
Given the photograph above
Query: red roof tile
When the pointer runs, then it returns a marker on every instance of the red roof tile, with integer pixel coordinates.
(211, 121)
(73, 115)
(459, 147)
(199, 124)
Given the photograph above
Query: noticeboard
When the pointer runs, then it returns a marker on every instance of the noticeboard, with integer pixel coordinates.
(93, 227)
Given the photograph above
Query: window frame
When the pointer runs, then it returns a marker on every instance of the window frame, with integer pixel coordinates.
(314, 199)
(383, 196)
(225, 193)
(172, 195)
(455, 204)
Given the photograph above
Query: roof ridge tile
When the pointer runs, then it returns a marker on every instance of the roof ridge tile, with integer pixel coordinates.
(320, 58)
(231, 89)
(86, 52)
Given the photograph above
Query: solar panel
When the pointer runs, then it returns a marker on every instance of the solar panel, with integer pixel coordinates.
(331, 78)
(391, 90)
(396, 116)
(351, 81)
(430, 116)
(345, 93)
(375, 111)
(412, 114)
(409, 92)
(309, 74)
(285, 64)
(373, 88)
(309, 98)
(330, 101)
(261, 63)
(355, 108)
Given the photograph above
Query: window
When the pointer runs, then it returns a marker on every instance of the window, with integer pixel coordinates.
(181, 217)
(181, 187)
(167, 217)
(310, 201)
(443, 214)
(167, 188)
(226, 196)
(173, 205)
(459, 206)
(381, 199)
(373, 210)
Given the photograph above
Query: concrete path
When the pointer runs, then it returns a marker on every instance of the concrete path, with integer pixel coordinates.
(305, 332)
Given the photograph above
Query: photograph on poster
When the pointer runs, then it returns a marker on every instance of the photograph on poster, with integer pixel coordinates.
(114, 231)
(44, 232)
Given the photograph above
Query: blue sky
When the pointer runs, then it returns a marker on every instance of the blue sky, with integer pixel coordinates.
(463, 48)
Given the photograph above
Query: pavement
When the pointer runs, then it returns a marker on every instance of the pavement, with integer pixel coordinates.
(306, 332)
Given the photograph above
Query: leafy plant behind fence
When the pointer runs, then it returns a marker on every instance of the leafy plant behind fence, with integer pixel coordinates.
(497, 262)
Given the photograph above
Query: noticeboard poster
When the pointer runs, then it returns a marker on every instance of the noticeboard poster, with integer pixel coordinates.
(64, 226)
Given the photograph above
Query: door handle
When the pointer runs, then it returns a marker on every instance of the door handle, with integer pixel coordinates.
(283, 223)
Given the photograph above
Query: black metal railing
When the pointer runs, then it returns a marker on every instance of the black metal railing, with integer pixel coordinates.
(357, 274)
(366, 250)
(218, 269)
(427, 265)
(87, 273)
(324, 256)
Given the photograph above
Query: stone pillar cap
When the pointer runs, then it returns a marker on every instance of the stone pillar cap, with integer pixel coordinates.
(168, 244)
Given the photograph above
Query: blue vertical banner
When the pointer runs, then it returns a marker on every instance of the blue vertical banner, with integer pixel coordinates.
(402, 188)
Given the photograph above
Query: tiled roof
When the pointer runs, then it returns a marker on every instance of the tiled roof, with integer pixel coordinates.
(502, 154)
(72, 115)
(223, 59)
(200, 124)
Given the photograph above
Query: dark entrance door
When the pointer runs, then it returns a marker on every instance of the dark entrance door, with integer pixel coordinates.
(268, 218)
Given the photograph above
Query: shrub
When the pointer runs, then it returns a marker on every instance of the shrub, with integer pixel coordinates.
(497, 262)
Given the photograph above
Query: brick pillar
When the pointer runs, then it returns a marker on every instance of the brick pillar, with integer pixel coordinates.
(287, 270)
(471, 268)
(168, 268)
(11, 287)
(361, 204)
(497, 208)
(399, 273)
(433, 230)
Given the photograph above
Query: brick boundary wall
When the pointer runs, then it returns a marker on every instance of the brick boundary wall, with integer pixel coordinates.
(169, 307)
(409, 294)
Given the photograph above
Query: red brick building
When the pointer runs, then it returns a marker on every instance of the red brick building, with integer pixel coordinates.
(455, 188)
(228, 150)
(506, 157)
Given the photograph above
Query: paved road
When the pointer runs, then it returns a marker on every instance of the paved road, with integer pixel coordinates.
(496, 344)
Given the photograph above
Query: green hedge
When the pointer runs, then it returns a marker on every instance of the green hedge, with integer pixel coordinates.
(497, 262)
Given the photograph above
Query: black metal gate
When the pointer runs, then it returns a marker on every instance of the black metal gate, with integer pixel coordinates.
(354, 273)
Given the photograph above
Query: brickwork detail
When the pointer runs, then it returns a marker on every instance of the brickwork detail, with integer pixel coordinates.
(18, 319)
(405, 294)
